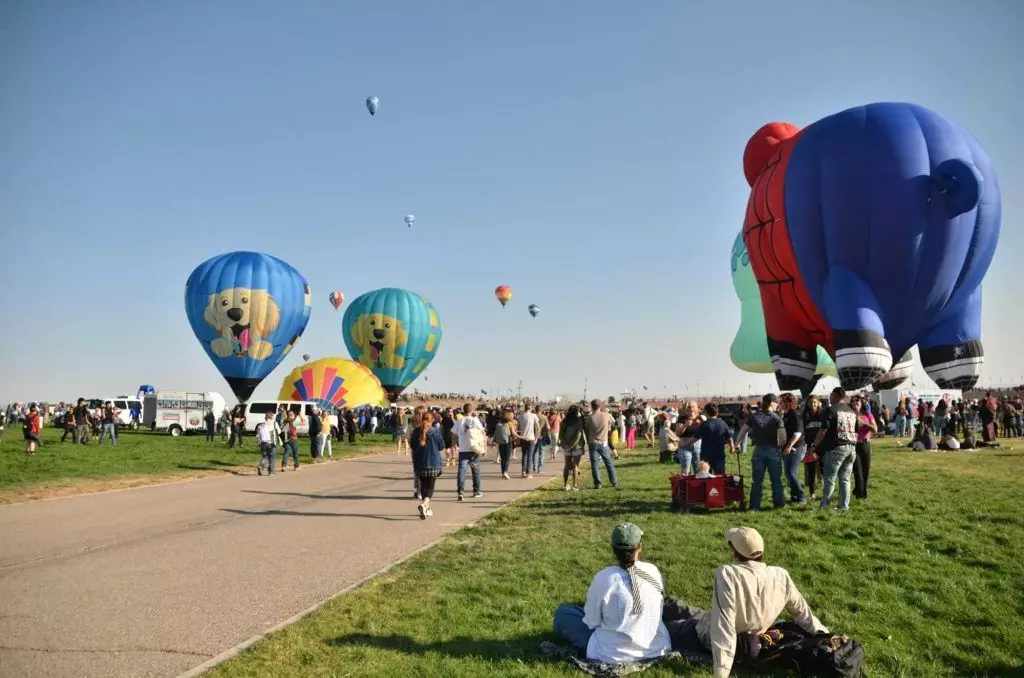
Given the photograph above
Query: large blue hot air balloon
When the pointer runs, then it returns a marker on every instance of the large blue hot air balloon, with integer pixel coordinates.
(248, 310)
(396, 333)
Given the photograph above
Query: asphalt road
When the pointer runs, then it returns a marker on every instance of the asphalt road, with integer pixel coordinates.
(156, 580)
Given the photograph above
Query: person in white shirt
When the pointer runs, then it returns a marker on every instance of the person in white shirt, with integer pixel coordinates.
(467, 455)
(266, 433)
(527, 425)
(748, 597)
(621, 620)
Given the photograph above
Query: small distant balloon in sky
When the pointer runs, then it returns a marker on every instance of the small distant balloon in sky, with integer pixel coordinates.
(410, 219)
(534, 310)
(305, 357)
(336, 298)
(503, 293)
(371, 105)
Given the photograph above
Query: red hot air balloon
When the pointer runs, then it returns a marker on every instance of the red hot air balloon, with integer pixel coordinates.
(503, 293)
(336, 298)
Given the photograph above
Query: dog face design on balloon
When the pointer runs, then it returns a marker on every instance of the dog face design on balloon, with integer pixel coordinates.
(870, 231)
(378, 336)
(242, 317)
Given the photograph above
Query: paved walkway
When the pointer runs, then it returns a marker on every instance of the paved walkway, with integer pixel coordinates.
(156, 580)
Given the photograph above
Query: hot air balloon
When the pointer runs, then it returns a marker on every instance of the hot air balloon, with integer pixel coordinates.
(371, 105)
(749, 350)
(410, 219)
(336, 298)
(870, 231)
(333, 383)
(248, 310)
(395, 333)
(534, 310)
(305, 357)
(503, 293)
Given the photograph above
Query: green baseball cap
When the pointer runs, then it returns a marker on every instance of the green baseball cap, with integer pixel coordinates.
(626, 536)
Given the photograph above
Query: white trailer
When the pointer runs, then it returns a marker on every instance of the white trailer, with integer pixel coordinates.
(891, 397)
(178, 412)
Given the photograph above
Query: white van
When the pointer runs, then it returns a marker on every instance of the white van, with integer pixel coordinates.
(256, 411)
(123, 403)
(179, 411)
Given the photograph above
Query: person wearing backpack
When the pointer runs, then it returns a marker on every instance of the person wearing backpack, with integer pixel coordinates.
(472, 445)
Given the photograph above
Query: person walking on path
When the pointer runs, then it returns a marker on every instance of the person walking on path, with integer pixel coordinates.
(837, 440)
(426, 445)
(597, 426)
(265, 440)
(291, 442)
(503, 439)
(766, 429)
(325, 434)
(472, 445)
(527, 423)
(554, 425)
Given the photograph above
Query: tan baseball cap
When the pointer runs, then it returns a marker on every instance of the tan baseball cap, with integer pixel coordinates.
(746, 540)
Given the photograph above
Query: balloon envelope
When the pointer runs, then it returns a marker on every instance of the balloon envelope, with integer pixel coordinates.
(336, 298)
(305, 357)
(534, 310)
(248, 310)
(371, 105)
(503, 293)
(410, 219)
(395, 333)
(333, 383)
(749, 350)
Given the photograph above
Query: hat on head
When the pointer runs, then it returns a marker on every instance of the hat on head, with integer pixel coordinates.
(626, 537)
(746, 540)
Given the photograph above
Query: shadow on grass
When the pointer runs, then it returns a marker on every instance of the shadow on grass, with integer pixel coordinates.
(215, 465)
(319, 514)
(612, 510)
(525, 649)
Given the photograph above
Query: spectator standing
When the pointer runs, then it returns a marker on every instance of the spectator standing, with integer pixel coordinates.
(528, 426)
(837, 441)
(597, 426)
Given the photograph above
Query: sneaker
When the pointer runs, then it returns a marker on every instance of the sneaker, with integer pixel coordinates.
(416, 496)
(477, 495)
(575, 488)
(423, 512)
(528, 475)
(461, 498)
(568, 488)
(505, 476)
(429, 512)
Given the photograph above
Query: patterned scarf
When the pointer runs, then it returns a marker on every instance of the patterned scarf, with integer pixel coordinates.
(635, 576)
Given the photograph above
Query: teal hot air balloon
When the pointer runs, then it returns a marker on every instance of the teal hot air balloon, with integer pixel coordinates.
(749, 350)
(394, 332)
(248, 310)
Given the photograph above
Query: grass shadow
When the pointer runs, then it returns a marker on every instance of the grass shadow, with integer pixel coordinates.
(220, 467)
(525, 649)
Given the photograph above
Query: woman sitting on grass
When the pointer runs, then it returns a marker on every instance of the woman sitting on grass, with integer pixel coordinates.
(621, 621)
(949, 441)
(924, 439)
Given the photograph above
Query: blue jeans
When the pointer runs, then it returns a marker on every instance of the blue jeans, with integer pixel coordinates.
(526, 448)
(794, 460)
(909, 427)
(109, 428)
(505, 454)
(472, 460)
(267, 450)
(290, 447)
(538, 457)
(597, 453)
(568, 623)
(837, 462)
(687, 458)
(767, 458)
(900, 422)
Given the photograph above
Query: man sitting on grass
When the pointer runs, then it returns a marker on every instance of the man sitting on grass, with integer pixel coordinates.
(748, 598)
(621, 621)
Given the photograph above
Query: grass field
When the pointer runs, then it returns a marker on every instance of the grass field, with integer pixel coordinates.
(139, 458)
(927, 574)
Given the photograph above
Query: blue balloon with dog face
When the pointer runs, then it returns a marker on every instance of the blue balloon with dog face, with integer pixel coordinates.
(395, 333)
(248, 310)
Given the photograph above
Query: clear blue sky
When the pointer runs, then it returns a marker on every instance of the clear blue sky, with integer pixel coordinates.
(587, 153)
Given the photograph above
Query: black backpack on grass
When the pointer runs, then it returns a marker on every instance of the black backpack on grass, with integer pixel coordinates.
(822, 655)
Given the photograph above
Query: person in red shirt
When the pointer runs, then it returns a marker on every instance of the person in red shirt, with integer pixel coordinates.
(33, 428)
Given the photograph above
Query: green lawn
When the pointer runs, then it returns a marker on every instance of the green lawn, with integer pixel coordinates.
(139, 458)
(927, 574)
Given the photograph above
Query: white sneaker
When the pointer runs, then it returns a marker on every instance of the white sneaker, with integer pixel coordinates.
(429, 512)
(423, 512)
(568, 488)
(477, 495)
